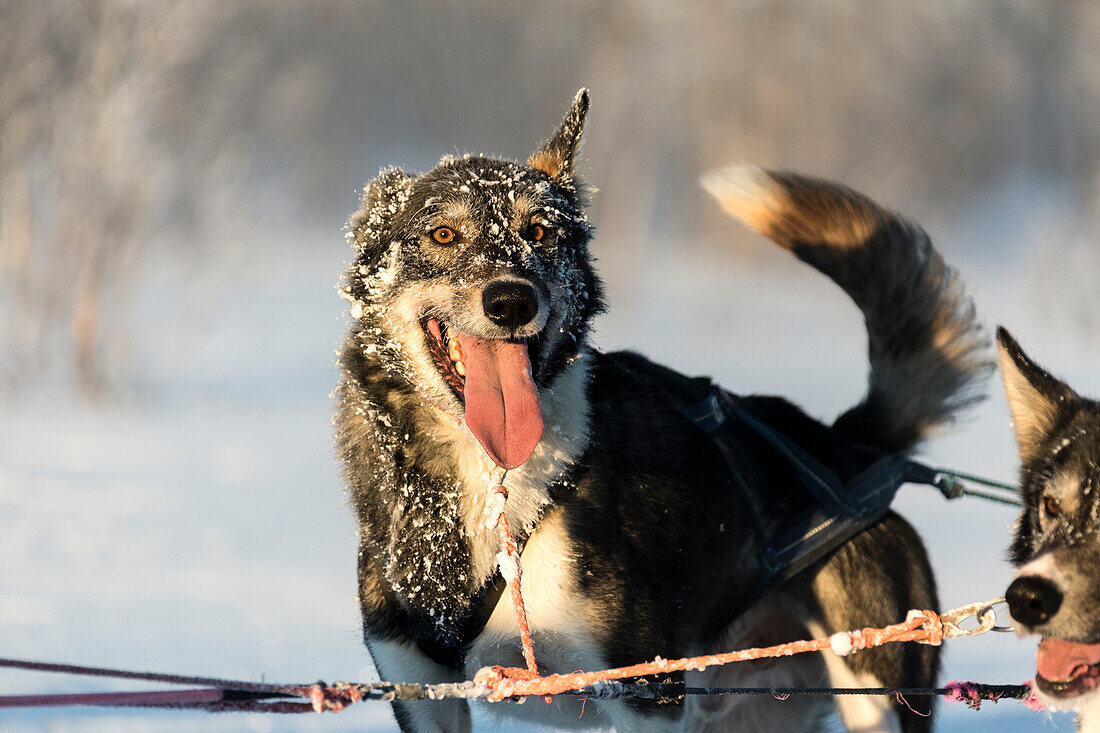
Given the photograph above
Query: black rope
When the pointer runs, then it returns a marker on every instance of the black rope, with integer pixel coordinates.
(985, 692)
(614, 690)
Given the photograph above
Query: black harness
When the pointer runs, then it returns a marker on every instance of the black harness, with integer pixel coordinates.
(841, 510)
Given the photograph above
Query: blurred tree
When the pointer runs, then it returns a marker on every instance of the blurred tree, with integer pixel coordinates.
(127, 128)
(120, 122)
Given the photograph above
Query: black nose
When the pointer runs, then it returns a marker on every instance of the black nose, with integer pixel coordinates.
(1033, 600)
(509, 303)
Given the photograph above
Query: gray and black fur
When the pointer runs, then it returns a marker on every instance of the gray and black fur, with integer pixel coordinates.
(638, 542)
(1056, 593)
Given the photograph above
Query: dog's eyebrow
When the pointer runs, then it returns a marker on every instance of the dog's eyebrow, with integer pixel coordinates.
(523, 209)
(455, 212)
(1065, 486)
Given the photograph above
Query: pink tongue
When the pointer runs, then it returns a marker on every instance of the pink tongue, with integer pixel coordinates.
(502, 404)
(1056, 660)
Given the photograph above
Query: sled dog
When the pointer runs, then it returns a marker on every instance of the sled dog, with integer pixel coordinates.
(471, 297)
(1056, 592)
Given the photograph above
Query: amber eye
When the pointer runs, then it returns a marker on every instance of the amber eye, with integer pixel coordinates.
(1051, 506)
(535, 232)
(444, 235)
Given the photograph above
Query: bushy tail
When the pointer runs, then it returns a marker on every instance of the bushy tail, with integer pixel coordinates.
(928, 353)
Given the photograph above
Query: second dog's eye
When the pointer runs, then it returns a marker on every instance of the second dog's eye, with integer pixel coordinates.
(1051, 506)
(444, 235)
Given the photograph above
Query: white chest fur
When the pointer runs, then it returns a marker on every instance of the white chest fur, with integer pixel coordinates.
(563, 627)
(565, 415)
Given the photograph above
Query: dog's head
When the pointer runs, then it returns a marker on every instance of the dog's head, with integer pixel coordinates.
(473, 283)
(1056, 593)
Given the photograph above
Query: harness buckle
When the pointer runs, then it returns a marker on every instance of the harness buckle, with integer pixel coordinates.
(981, 611)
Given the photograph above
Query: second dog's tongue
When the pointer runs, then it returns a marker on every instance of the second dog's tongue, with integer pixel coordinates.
(502, 403)
(1058, 660)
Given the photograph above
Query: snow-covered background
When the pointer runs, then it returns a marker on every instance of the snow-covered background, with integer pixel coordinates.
(168, 495)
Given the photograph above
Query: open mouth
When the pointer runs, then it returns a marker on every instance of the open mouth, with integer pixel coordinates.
(493, 380)
(1067, 669)
(447, 355)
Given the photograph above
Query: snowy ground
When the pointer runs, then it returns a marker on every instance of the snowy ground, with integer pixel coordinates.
(200, 528)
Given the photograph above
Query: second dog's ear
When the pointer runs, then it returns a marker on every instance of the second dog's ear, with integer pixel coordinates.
(1034, 396)
(557, 156)
(383, 198)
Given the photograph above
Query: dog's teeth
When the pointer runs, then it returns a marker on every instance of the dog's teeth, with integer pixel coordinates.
(454, 351)
(460, 368)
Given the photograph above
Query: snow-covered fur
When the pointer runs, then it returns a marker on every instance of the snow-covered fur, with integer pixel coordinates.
(471, 296)
(1056, 592)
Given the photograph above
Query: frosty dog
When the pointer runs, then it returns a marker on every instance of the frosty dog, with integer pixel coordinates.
(472, 293)
(1056, 593)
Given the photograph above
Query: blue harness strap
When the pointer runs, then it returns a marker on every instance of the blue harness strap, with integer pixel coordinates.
(842, 509)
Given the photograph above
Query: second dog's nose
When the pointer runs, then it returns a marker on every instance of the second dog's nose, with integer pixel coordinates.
(1033, 600)
(509, 303)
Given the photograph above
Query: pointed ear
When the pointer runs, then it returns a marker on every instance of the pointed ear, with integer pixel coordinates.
(1034, 396)
(557, 156)
(383, 198)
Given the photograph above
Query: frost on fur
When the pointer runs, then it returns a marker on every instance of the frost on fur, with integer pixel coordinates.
(401, 432)
(383, 198)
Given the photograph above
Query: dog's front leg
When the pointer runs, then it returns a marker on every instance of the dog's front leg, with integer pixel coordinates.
(400, 660)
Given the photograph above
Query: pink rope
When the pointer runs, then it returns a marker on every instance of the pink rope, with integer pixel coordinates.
(207, 700)
(1032, 702)
(964, 692)
(902, 701)
(143, 699)
(212, 698)
(511, 549)
(220, 695)
(172, 679)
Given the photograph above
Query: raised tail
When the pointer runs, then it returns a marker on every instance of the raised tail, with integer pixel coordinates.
(928, 354)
